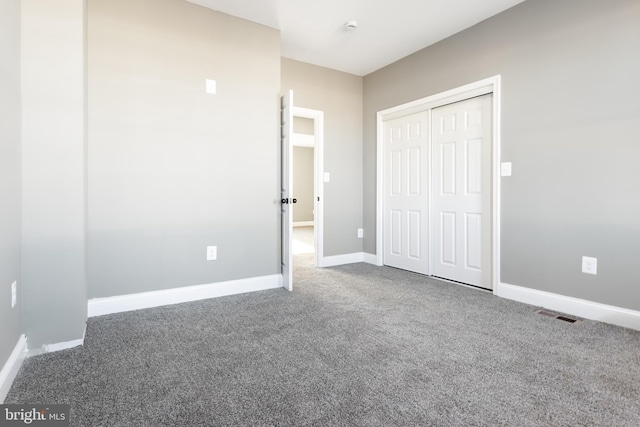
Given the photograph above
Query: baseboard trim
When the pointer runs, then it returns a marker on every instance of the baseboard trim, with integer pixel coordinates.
(12, 366)
(303, 224)
(52, 348)
(333, 261)
(122, 303)
(575, 306)
(371, 259)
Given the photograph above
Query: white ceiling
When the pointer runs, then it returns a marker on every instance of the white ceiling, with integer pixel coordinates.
(313, 31)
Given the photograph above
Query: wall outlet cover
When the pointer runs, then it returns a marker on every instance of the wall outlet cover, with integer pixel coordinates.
(589, 265)
(14, 294)
(360, 233)
(212, 253)
(211, 87)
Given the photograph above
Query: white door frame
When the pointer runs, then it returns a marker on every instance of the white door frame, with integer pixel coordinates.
(318, 182)
(481, 87)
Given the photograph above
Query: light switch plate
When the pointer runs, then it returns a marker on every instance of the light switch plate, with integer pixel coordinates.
(327, 177)
(211, 87)
(589, 265)
(505, 169)
(360, 233)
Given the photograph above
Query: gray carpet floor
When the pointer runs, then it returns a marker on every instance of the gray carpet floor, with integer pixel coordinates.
(354, 345)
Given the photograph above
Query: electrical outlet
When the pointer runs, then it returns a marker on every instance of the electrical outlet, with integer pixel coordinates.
(211, 87)
(589, 265)
(14, 294)
(212, 253)
(360, 233)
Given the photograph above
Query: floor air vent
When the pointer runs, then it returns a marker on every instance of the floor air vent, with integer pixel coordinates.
(557, 316)
(567, 319)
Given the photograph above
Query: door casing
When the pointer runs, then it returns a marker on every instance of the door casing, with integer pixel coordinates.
(481, 87)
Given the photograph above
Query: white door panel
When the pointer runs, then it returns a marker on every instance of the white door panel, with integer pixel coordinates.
(474, 166)
(415, 235)
(448, 168)
(461, 146)
(396, 232)
(406, 193)
(286, 190)
(474, 235)
(447, 238)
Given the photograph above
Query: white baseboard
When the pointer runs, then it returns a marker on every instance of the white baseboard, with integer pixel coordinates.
(12, 366)
(303, 224)
(332, 261)
(371, 259)
(51, 348)
(575, 306)
(121, 303)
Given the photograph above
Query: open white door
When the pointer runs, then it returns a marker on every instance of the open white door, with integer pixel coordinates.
(286, 189)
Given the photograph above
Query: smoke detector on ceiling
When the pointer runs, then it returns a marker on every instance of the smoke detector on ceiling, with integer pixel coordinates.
(351, 26)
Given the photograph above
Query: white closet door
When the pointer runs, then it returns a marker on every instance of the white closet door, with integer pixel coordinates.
(461, 144)
(406, 192)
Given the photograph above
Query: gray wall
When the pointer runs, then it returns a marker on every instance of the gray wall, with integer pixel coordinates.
(53, 171)
(10, 135)
(570, 125)
(171, 168)
(339, 95)
(303, 166)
